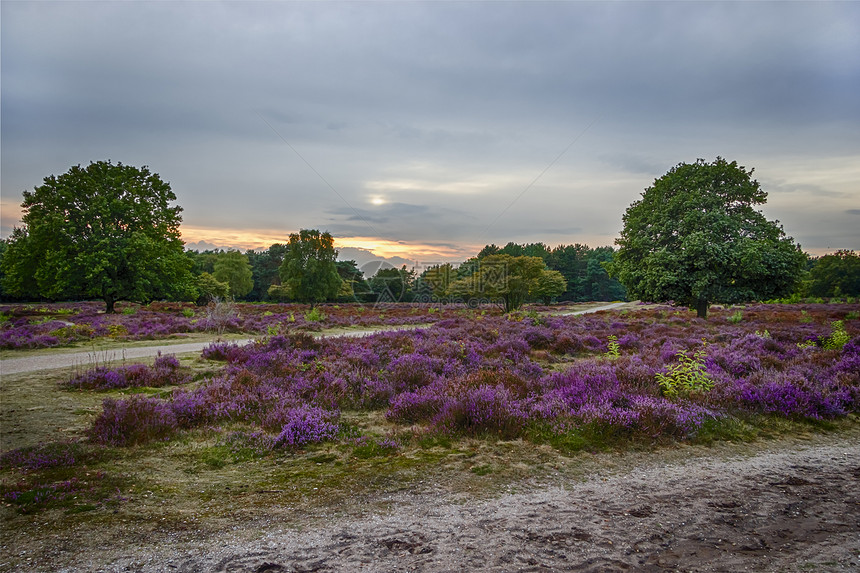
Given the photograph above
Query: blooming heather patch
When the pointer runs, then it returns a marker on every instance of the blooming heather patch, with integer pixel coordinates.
(133, 420)
(28, 326)
(165, 371)
(496, 376)
(306, 425)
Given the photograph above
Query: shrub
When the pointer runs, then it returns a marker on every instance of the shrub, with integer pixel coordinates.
(838, 336)
(165, 371)
(227, 351)
(687, 376)
(484, 410)
(315, 315)
(414, 407)
(306, 425)
(133, 420)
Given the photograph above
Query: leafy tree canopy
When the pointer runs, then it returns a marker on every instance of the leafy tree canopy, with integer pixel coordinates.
(580, 265)
(264, 269)
(435, 281)
(107, 231)
(696, 239)
(549, 285)
(353, 280)
(836, 275)
(234, 269)
(309, 273)
(209, 289)
(392, 284)
(512, 280)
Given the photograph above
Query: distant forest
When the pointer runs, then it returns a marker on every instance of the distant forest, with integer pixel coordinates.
(580, 265)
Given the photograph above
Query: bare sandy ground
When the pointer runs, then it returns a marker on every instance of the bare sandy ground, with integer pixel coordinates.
(783, 507)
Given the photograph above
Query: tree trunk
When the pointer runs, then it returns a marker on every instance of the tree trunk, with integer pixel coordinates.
(702, 308)
(109, 305)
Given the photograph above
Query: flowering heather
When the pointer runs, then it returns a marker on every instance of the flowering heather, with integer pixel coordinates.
(501, 376)
(165, 371)
(306, 425)
(226, 351)
(133, 420)
(58, 324)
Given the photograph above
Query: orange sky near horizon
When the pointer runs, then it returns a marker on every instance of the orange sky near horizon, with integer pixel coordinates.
(262, 239)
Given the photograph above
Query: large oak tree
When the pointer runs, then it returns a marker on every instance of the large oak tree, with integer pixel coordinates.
(106, 231)
(695, 238)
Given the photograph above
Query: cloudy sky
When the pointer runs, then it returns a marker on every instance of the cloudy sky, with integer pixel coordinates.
(426, 130)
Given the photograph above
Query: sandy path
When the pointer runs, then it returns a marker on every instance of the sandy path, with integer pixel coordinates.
(595, 309)
(792, 507)
(69, 359)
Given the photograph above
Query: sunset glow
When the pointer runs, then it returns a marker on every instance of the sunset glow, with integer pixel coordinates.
(196, 238)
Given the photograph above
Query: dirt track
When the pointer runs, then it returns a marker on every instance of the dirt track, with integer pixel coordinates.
(789, 507)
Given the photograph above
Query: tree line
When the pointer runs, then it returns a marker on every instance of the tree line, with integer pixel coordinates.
(111, 231)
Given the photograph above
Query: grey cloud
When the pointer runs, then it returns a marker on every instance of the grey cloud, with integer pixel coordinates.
(853, 211)
(363, 89)
(812, 189)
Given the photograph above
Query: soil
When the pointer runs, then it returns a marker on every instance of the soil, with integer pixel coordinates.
(786, 505)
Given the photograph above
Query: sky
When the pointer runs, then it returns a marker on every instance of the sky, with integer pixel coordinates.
(420, 132)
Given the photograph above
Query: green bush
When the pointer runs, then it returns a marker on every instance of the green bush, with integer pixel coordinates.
(838, 337)
(687, 376)
(315, 315)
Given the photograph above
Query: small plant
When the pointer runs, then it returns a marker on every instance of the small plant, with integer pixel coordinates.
(853, 315)
(614, 349)
(117, 330)
(687, 376)
(838, 336)
(736, 317)
(762, 333)
(806, 344)
(188, 312)
(129, 310)
(219, 314)
(315, 315)
(805, 318)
